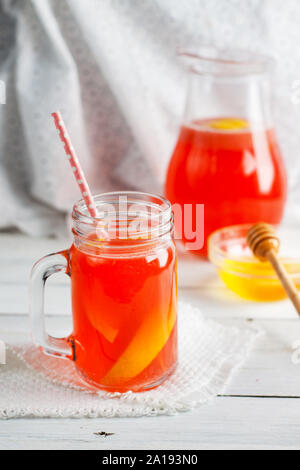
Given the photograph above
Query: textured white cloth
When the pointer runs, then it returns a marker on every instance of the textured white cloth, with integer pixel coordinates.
(35, 385)
(110, 66)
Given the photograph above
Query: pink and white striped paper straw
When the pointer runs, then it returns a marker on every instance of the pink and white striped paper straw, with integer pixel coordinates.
(75, 164)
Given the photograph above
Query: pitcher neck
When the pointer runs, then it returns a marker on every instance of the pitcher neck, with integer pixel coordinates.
(228, 85)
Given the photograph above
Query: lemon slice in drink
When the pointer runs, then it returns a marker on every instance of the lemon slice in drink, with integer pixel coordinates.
(143, 349)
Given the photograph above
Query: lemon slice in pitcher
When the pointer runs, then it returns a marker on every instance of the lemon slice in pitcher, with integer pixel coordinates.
(229, 124)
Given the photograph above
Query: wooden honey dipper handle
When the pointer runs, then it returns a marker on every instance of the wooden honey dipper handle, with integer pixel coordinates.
(265, 244)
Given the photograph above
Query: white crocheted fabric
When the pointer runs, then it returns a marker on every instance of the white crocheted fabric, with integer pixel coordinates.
(35, 385)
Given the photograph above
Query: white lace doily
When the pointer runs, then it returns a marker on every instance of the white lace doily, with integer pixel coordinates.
(35, 385)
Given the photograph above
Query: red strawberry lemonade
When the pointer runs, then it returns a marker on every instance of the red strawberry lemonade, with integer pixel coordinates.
(124, 313)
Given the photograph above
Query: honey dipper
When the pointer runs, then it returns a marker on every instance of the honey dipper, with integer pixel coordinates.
(265, 245)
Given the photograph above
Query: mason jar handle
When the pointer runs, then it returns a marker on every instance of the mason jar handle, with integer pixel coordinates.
(41, 271)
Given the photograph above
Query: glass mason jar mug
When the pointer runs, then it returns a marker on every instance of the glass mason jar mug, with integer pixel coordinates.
(123, 273)
(227, 156)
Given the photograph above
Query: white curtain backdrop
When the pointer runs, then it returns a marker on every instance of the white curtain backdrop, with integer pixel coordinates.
(110, 66)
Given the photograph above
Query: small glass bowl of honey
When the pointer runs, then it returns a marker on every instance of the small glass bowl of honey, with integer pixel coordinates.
(243, 273)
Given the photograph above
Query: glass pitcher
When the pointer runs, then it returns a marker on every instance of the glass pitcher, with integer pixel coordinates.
(227, 156)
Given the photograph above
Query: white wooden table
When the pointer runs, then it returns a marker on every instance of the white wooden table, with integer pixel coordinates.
(261, 407)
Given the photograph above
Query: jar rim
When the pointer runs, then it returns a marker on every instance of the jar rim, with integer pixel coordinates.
(208, 59)
(80, 205)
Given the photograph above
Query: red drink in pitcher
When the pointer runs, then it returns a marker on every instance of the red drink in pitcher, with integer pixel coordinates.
(236, 172)
(227, 157)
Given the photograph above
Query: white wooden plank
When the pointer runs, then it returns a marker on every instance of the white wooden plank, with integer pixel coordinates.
(19, 246)
(226, 422)
(14, 299)
(16, 272)
(213, 302)
(220, 303)
(230, 422)
(18, 253)
(269, 370)
(198, 283)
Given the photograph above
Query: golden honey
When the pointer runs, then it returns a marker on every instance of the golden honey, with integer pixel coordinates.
(255, 280)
